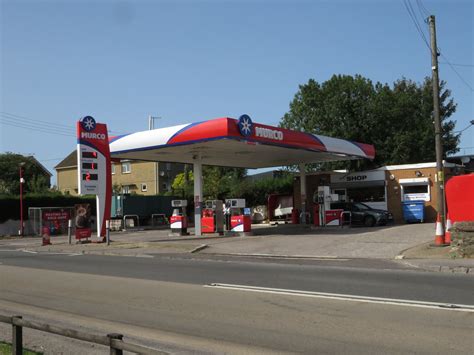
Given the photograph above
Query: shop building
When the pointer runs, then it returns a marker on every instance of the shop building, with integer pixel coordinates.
(383, 188)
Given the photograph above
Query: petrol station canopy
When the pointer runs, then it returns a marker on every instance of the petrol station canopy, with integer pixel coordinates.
(235, 143)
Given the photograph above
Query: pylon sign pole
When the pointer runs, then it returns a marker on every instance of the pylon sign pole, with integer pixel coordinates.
(94, 169)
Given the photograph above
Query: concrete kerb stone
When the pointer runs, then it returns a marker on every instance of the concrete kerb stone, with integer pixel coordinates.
(440, 268)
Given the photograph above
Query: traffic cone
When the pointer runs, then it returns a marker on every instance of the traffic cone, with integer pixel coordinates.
(447, 235)
(439, 237)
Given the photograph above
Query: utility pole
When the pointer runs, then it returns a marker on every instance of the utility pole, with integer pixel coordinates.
(437, 123)
(22, 181)
(151, 125)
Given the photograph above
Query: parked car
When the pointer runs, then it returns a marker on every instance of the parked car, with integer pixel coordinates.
(363, 214)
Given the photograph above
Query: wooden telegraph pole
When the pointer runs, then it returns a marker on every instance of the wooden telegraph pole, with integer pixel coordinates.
(437, 123)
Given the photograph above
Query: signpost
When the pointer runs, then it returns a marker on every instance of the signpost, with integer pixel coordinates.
(94, 169)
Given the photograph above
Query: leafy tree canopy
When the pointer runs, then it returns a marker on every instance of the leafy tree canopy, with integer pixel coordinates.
(36, 179)
(396, 119)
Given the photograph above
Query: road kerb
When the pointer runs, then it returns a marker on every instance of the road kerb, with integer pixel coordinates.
(199, 248)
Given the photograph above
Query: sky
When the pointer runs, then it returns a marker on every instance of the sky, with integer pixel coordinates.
(188, 61)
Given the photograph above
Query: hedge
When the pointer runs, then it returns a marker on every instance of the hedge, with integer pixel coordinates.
(10, 205)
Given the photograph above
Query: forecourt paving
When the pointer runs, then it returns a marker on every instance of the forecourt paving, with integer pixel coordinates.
(383, 243)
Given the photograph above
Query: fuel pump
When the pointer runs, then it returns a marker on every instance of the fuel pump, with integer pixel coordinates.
(323, 214)
(179, 220)
(212, 220)
(237, 215)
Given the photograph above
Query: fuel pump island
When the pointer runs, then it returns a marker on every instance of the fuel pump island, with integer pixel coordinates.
(229, 142)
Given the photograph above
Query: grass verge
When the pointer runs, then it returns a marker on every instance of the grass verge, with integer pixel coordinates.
(6, 349)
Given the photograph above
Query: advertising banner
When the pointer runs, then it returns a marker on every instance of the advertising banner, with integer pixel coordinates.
(56, 220)
(82, 221)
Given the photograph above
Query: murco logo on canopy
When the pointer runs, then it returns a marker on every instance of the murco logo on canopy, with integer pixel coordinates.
(245, 125)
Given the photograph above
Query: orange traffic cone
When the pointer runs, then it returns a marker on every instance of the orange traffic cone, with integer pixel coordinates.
(439, 237)
(447, 235)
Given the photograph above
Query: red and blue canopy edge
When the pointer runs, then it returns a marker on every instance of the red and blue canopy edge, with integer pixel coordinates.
(220, 142)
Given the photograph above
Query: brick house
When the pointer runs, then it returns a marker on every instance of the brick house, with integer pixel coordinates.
(129, 177)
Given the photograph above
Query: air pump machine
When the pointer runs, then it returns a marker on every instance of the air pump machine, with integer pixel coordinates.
(178, 220)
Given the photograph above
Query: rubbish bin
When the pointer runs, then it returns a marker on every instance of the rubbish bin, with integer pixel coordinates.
(413, 211)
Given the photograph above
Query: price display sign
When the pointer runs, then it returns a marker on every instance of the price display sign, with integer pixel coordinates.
(93, 163)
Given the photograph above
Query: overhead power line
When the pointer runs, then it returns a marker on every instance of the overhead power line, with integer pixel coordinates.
(34, 128)
(470, 125)
(414, 19)
(455, 71)
(458, 64)
(49, 123)
(423, 11)
(41, 124)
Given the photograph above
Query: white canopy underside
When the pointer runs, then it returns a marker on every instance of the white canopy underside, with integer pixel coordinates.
(232, 153)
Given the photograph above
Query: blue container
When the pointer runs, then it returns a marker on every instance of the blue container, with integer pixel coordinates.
(413, 211)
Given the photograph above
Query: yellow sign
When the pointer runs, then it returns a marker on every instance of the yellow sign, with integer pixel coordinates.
(440, 176)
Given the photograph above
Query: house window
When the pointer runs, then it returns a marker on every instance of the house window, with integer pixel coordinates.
(126, 189)
(144, 188)
(113, 168)
(126, 167)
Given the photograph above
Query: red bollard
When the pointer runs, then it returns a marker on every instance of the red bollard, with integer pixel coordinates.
(46, 236)
(295, 216)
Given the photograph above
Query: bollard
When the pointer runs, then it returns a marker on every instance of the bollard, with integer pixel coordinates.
(107, 231)
(17, 337)
(115, 336)
(69, 231)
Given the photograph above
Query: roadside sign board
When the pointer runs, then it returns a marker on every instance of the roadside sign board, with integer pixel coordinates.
(94, 169)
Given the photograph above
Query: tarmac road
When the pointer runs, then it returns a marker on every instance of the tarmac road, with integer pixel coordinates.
(165, 301)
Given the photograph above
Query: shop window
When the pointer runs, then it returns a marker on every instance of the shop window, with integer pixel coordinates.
(126, 167)
(366, 194)
(144, 187)
(341, 193)
(416, 189)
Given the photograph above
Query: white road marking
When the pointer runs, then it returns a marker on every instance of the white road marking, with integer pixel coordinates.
(281, 256)
(28, 251)
(345, 297)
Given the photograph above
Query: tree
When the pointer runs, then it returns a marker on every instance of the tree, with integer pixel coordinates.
(219, 182)
(397, 120)
(34, 175)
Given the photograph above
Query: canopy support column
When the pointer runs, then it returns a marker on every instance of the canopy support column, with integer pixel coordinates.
(197, 172)
(302, 167)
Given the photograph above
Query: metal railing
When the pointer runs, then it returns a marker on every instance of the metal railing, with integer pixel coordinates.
(345, 221)
(133, 217)
(113, 340)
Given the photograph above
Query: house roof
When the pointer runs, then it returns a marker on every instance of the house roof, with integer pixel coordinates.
(69, 162)
(34, 160)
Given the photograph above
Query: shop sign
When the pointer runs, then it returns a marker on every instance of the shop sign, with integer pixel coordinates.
(52, 216)
(417, 196)
(377, 175)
